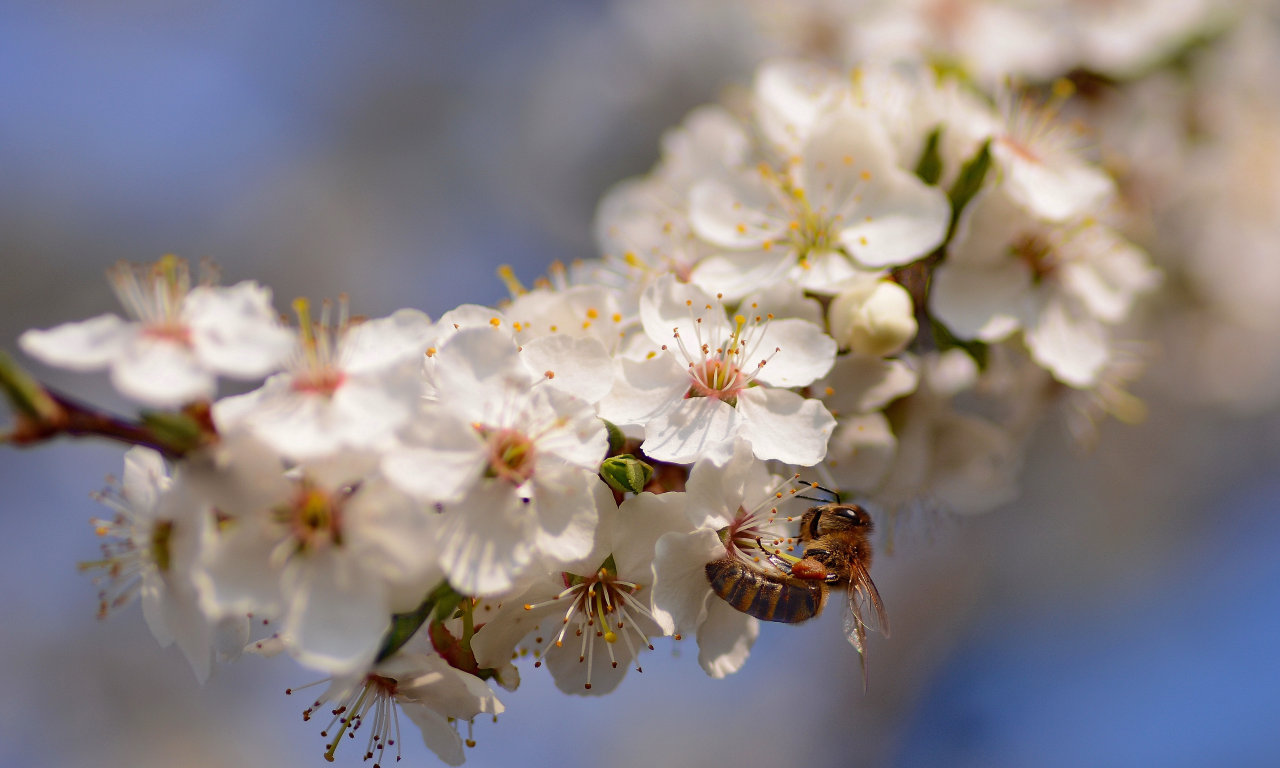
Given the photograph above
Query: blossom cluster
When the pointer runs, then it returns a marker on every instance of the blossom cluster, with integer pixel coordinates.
(874, 280)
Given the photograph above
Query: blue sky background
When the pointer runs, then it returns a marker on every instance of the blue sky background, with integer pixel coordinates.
(1122, 612)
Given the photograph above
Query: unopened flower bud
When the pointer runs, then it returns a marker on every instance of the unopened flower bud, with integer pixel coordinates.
(874, 319)
(626, 473)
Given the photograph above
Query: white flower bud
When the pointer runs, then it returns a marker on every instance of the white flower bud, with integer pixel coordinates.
(874, 319)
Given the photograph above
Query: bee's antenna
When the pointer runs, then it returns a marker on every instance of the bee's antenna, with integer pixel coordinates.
(834, 494)
(810, 498)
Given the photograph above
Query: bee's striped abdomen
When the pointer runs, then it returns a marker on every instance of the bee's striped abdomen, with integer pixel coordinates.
(757, 595)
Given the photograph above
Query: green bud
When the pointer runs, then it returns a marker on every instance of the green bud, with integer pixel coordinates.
(616, 439)
(25, 393)
(626, 473)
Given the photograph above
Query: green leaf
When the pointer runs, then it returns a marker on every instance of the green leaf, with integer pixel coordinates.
(616, 439)
(626, 473)
(968, 183)
(929, 169)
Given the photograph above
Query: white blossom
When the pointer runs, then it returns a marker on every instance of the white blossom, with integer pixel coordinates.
(180, 339)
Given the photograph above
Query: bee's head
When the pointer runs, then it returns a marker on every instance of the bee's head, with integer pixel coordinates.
(832, 518)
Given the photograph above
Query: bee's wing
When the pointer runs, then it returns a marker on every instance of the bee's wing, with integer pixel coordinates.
(856, 631)
(861, 589)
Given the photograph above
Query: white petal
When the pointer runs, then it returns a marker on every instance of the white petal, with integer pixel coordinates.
(494, 642)
(392, 535)
(439, 459)
(161, 373)
(669, 307)
(643, 389)
(565, 504)
(692, 427)
(476, 369)
(861, 452)
(725, 638)
(428, 678)
(642, 520)
(486, 540)
(790, 96)
(680, 584)
(738, 212)
(798, 353)
(1057, 191)
(827, 273)
(891, 217)
(84, 346)
(579, 367)
(982, 303)
(784, 426)
(375, 345)
(1069, 342)
(437, 733)
(567, 429)
(715, 490)
(145, 478)
(570, 673)
(990, 223)
(784, 298)
(236, 576)
(863, 383)
(975, 465)
(471, 316)
(235, 331)
(737, 274)
(337, 613)
(708, 141)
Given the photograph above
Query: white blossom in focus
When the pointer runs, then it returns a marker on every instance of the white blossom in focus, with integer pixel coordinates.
(511, 459)
(719, 378)
(180, 339)
(590, 621)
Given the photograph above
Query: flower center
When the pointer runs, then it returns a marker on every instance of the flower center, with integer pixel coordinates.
(376, 694)
(316, 366)
(153, 295)
(314, 518)
(1037, 253)
(599, 606)
(716, 368)
(511, 455)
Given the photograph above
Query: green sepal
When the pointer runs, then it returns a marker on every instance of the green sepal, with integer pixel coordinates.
(929, 169)
(626, 473)
(404, 625)
(617, 440)
(967, 184)
(944, 339)
(175, 429)
(25, 393)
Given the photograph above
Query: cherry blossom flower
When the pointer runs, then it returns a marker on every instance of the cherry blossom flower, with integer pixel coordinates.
(589, 621)
(351, 385)
(180, 338)
(717, 379)
(329, 546)
(1062, 284)
(416, 681)
(513, 465)
(155, 539)
(841, 205)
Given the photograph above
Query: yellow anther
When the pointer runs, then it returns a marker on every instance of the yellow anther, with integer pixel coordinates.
(617, 317)
(592, 313)
(866, 175)
(495, 322)
(739, 319)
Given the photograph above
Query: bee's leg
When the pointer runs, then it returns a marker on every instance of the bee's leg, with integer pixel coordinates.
(774, 558)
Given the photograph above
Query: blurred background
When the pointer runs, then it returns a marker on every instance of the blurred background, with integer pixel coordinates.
(1122, 611)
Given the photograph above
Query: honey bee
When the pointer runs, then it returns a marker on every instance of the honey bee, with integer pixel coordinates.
(837, 555)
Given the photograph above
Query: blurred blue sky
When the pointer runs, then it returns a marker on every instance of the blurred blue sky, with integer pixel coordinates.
(401, 151)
